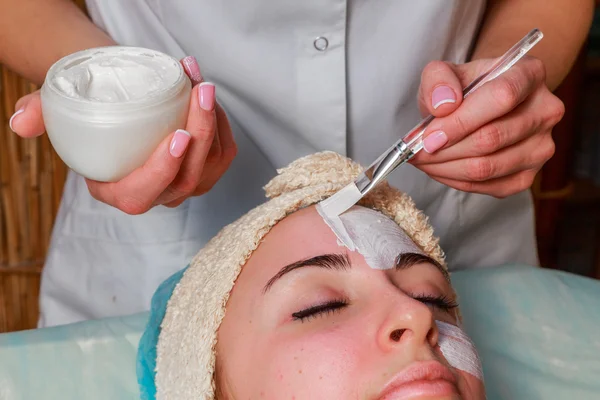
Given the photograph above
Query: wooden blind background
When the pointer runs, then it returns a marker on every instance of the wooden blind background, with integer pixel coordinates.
(31, 182)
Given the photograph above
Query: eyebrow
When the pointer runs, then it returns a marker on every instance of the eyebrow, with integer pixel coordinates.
(341, 262)
(407, 260)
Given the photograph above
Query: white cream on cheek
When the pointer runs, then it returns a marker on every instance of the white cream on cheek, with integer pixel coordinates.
(110, 78)
(375, 236)
(458, 349)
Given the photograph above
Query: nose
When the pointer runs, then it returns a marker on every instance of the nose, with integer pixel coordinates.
(409, 323)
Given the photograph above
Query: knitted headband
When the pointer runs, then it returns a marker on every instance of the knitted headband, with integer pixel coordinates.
(185, 349)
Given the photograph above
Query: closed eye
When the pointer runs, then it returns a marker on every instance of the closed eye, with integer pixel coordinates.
(320, 310)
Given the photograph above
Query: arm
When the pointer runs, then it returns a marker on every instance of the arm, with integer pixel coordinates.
(565, 24)
(36, 33)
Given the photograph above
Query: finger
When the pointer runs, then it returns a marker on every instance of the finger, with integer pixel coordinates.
(468, 72)
(201, 124)
(493, 100)
(136, 193)
(224, 148)
(541, 111)
(28, 121)
(214, 157)
(503, 132)
(499, 188)
(214, 154)
(214, 166)
(192, 69)
(175, 203)
(228, 145)
(531, 153)
(215, 169)
(228, 153)
(440, 92)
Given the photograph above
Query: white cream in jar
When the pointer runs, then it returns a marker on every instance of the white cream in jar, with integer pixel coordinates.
(112, 78)
(107, 109)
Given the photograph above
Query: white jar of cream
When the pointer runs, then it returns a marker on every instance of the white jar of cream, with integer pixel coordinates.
(106, 109)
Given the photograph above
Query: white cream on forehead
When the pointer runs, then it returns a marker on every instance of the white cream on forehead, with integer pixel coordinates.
(113, 77)
(375, 236)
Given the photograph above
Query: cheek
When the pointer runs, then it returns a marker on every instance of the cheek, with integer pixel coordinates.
(460, 353)
(470, 387)
(458, 349)
(327, 364)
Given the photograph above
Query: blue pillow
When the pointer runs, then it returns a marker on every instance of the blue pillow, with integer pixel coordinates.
(537, 331)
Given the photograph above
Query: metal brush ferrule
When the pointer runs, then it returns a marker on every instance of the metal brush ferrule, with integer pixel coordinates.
(380, 169)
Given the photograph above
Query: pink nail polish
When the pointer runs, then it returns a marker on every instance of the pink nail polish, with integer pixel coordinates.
(190, 64)
(10, 122)
(206, 92)
(179, 143)
(435, 141)
(442, 95)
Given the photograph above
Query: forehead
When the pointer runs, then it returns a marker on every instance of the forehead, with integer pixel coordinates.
(304, 234)
(299, 235)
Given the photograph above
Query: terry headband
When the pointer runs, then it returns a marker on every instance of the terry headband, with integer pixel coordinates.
(177, 351)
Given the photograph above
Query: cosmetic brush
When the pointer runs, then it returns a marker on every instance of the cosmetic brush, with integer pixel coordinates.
(406, 148)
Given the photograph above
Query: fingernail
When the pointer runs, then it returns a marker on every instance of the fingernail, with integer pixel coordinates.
(442, 95)
(10, 122)
(179, 143)
(435, 141)
(190, 64)
(206, 93)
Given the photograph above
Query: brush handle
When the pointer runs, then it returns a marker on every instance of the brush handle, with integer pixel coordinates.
(406, 148)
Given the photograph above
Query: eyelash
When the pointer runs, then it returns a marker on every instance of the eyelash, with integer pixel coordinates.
(324, 309)
(442, 303)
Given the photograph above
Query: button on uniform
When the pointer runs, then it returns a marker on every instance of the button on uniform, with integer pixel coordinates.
(321, 43)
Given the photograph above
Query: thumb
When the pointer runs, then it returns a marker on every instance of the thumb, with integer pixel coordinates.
(440, 92)
(27, 121)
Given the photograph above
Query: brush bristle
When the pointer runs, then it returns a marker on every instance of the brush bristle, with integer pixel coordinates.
(341, 201)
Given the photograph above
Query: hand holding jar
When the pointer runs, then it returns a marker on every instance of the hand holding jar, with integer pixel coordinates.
(142, 128)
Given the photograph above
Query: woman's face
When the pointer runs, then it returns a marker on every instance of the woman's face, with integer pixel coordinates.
(309, 319)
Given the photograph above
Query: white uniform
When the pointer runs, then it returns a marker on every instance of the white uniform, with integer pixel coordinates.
(287, 95)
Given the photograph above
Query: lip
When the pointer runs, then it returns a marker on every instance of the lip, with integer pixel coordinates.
(421, 379)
